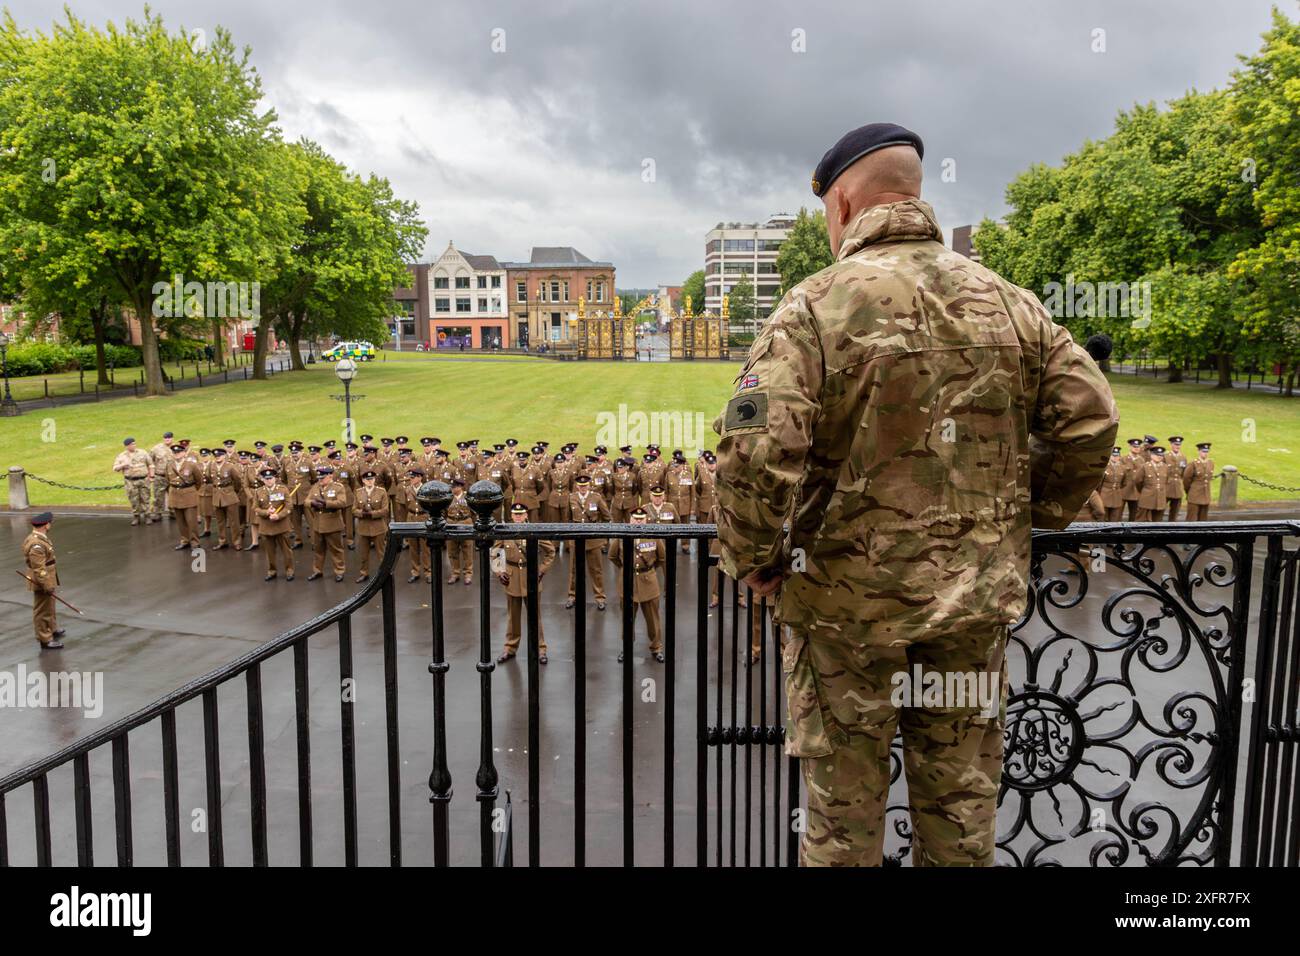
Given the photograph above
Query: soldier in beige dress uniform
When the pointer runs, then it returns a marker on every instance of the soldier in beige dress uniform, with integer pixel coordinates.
(183, 477)
(460, 553)
(371, 509)
(42, 579)
(273, 511)
(418, 547)
(325, 507)
(679, 486)
(626, 491)
(648, 555)
(1151, 506)
(1196, 481)
(586, 507)
(1175, 465)
(207, 468)
(1134, 468)
(1112, 486)
(226, 480)
(514, 577)
(529, 483)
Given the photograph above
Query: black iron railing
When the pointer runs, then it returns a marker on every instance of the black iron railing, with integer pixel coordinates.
(1129, 714)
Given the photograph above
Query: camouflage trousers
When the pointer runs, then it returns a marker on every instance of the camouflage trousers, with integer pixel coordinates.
(137, 494)
(845, 706)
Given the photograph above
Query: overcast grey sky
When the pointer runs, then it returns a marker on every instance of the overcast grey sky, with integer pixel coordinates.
(545, 142)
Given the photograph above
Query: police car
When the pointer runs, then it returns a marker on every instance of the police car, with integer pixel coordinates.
(357, 351)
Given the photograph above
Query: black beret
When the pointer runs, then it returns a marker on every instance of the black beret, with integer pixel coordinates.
(45, 517)
(128, 441)
(856, 144)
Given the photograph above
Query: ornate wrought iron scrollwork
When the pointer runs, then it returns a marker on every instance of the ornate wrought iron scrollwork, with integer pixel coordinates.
(1105, 764)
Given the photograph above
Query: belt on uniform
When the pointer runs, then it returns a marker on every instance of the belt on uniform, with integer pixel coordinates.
(136, 478)
(521, 564)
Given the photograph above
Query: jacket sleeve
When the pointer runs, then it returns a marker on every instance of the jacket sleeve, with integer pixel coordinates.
(1072, 428)
(767, 431)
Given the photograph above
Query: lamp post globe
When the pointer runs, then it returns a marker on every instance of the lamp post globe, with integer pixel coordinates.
(346, 370)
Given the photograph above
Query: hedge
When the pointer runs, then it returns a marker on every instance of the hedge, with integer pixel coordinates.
(44, 358)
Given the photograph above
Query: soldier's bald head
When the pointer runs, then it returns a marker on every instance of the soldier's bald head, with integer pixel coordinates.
(892, 174)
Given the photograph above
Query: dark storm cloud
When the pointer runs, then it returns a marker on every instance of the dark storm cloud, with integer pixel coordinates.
(548, 138)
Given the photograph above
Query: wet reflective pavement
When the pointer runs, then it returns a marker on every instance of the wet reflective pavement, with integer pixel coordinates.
(156, 618)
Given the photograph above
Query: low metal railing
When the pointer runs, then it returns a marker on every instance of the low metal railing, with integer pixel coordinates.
(1125, 721)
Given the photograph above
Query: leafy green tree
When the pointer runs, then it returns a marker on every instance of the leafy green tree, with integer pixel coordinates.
(1266, 103)
(741, 304)
(693, 288)
(138, 154)
(805, 251)
(346, 257)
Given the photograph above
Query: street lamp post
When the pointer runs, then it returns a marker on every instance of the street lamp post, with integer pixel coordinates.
(8, 407)
(346, 370)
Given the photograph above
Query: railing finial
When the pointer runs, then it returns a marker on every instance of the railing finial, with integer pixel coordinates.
(434, 497)
(485, 497)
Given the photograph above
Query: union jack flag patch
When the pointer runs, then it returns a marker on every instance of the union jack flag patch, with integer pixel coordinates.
(749, 381)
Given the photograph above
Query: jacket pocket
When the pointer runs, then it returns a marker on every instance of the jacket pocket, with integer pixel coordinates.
(806, 734)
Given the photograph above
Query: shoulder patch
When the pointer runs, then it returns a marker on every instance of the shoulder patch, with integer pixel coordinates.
(746, 411)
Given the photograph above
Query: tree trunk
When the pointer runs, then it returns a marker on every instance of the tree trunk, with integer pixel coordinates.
(218, 340)
(97, 320)
(1225, 370)
(1175, 371)
(153, 373)
(1290, 382)
(295, 351)
(261, 340)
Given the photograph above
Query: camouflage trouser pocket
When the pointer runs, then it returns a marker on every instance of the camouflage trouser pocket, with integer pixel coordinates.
(806, 734)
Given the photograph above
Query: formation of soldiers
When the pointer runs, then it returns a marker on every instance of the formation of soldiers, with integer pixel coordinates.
(1151, 482)
(340, 497)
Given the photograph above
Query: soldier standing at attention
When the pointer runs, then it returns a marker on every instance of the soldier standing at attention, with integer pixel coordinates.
(706, 480)
(326, 503)
(207, 466)
(460, 553)
(1134, 468)
(371, 510)
(273, 506)
(679, 484)
(529, 485)
(1196, 480)
(1112, 486)
(1175, 465)
(1151, 506)
(515, 580)
(225, 500)
(419, 547)
(602, 473)
(135, 465)
(497, 470)
(648, 555)
(626, 491)
(161, 454)
(345, 475)
(913, 551)
(183, 478)
(42, 578)
(586, 507)
(249, 487)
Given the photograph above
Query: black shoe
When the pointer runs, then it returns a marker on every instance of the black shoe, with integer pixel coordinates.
(568, 604)
(297, 547)
(351, 546)
(600, 605)
(338, 577)
(363, 577)
(181, 547)
(52, 646)
(253, 547)
(288, 577)
(217, 547)
(412, 579)
(59, 632)
(206, 534)
(314, 575)
(659, 656)
(269, 577)
(541, 659)
(504, 657)
(620, 657)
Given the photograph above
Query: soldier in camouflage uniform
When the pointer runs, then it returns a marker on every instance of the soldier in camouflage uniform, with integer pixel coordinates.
(136, 468)
(911, 414)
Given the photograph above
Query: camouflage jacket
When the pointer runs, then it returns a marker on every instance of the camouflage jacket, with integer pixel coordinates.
(905, 412)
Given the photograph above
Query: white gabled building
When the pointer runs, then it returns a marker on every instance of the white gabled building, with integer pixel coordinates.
(467, 301)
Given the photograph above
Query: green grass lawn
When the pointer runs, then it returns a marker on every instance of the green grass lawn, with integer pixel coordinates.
(493, 398)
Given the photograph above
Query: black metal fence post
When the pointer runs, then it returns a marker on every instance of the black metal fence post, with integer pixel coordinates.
(434, 498)
(484, 497)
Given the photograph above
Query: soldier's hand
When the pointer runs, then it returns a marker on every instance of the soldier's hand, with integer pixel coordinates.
(765, 581)
(503, 577)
